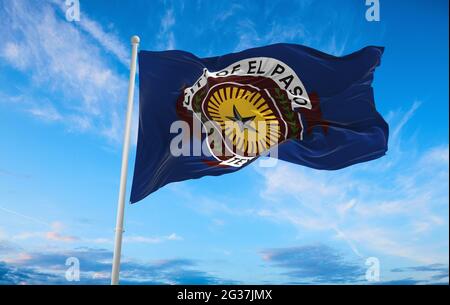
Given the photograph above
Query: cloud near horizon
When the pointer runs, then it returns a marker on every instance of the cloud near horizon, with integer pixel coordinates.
(49, 267)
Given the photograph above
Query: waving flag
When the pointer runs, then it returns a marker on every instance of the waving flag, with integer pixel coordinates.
(211, 116)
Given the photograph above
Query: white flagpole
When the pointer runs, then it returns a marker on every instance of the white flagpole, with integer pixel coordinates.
(124, 170)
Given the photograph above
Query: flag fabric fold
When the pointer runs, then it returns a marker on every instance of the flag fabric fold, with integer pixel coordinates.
(211, 116)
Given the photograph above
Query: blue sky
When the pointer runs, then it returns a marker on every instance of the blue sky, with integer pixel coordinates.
(63, 91)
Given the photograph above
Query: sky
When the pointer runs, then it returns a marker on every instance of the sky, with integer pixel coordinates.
(63, 87)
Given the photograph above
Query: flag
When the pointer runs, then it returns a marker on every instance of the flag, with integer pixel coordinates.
(212, 116)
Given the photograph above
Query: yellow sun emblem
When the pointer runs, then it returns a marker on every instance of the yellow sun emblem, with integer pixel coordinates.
(247, 121)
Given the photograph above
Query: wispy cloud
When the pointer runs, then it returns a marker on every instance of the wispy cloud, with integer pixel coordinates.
(223, 16)
(166, 35)
(406, 117)
(13, 53)
(315, 264)
(45, 112)
(331, 37)
(356, 204)
(108, 41)
(152, 240)
(57, 235)
(27, 217)
(437, 272)
(95, 265)
(54, 234)
(73, 83)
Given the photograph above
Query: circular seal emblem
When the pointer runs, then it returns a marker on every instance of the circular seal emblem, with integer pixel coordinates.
(247, 108)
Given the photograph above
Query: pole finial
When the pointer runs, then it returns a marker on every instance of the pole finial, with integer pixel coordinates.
(135, 39)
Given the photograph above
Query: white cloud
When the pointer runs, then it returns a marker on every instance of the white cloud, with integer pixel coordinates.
(142, 239)
(152, 240)
(407, 116)
(392, 243)
(166, 36)
(331, 37)
(222, 16)
(107, 40)
(437, 155)
(174, 236)
(334, 46)
(55, 234)
(45, 112)
(59, 237)
(23, 216)
(392, 210)
(248, 35)
(139, 239)
(14, 54)
(66, 67)
(167, 21)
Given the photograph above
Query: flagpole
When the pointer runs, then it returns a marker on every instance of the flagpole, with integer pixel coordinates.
(124, 169)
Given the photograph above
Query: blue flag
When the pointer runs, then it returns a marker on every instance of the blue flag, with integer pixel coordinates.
(211, 116)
